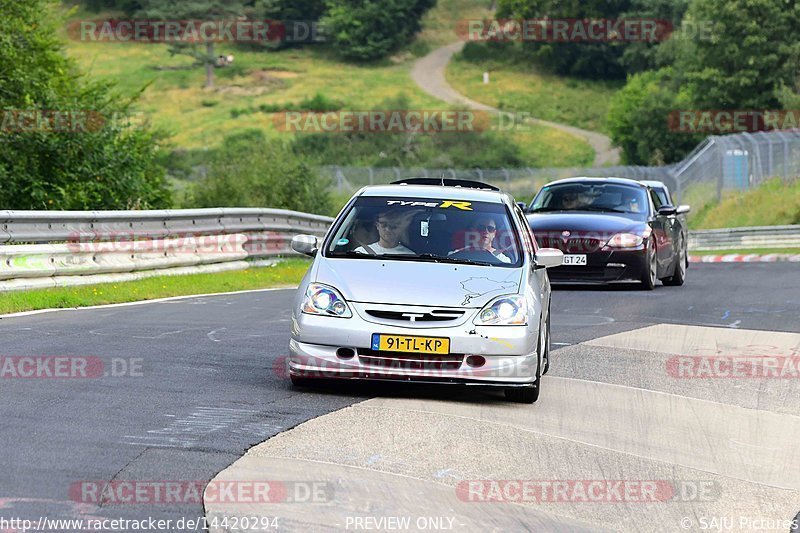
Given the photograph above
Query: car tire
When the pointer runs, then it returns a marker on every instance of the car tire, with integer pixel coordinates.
(297, 381)
(547, 346)
(650, 270)
(677, 279)
(528, 393)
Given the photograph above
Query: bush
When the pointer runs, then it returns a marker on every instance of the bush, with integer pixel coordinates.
(318, 103)
(365, 30)
(249, 171)
(109, 164)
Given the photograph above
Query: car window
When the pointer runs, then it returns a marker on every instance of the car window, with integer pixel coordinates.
(586, 196)
(426, 229)
(658, 200)
(528, 239)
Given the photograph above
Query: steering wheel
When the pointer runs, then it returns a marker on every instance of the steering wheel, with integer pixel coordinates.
(475, 254)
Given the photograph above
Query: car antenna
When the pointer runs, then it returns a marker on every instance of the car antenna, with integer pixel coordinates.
(442, 179)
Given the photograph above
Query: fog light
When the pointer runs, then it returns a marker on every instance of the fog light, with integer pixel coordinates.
(345, 353)
(476, 360)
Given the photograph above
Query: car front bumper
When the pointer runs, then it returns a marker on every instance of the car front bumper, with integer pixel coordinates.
(604, 267)
(317, 344)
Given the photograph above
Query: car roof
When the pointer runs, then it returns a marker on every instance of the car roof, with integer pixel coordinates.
(437, 192)
(653, 183)
(618, 181)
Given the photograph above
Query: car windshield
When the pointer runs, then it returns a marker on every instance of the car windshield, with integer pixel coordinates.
(610, 197)
(424, 229)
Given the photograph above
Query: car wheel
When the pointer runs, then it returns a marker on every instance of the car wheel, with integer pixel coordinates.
(523, 394)
(528, 393)
(297, 381)
(650, 270)
(677, 279)
(546, 343)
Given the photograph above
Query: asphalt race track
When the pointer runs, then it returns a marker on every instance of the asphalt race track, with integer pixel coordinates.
(200, 382)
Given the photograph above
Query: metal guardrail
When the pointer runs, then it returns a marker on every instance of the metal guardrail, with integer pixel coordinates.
(60, 248)
(745, 238)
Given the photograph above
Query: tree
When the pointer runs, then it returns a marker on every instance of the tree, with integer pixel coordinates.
(584, 59)
(203, 51)
(748, 53)
(102, 163)
(370, 29)
(638, 120)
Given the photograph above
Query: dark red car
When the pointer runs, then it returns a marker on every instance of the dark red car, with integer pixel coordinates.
(610, 229)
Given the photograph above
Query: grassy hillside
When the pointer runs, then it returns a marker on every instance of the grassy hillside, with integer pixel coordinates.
(515, 85)
(774, 203)
(173, 98)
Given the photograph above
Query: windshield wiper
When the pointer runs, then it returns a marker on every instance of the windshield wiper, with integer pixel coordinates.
(452, 260)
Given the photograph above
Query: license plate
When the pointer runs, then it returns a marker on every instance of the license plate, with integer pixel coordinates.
(579, 260)
(406, 343)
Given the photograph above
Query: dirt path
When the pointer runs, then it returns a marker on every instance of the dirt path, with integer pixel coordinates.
(429, 73)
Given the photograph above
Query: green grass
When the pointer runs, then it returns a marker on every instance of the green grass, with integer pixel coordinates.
(285, 273)
(774, 203)
(174, 100)
(759, 251)
(514, 85)
(439, 24)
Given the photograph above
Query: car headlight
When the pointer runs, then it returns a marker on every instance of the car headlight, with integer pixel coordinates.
(325, 300)
(625, 240)
(504, 311)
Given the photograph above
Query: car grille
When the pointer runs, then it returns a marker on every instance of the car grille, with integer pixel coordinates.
(409, 361)
(437, 315)
(573, 245)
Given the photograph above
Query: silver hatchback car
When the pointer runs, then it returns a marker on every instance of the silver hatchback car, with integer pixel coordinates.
(428, 280)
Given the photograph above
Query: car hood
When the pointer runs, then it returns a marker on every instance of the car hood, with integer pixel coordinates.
(417, 283)
(582, 221)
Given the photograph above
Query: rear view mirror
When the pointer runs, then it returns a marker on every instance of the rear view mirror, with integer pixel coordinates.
(305, 244)
(549, 257)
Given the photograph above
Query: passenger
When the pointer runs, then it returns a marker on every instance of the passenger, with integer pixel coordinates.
(391, 226)
(481, 236)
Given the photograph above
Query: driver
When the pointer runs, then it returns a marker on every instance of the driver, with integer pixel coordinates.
(631, 203)
(391, 225)
(481, 234)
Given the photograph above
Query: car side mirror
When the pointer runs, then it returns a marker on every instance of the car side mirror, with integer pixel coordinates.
(683, 209)
(549, 257)
(667, 210)
(305, 244)
(523, 206)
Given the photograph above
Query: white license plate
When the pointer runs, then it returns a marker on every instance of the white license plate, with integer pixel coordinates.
(575, 260)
